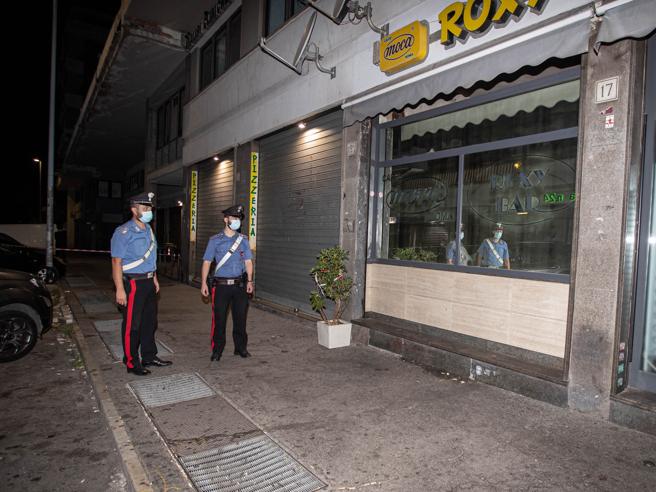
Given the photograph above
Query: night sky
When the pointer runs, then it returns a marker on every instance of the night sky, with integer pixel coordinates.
(28, 105)
(27, 76)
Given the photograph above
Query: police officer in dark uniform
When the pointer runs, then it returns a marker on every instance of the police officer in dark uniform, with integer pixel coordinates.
(232, 282)
(134, 255)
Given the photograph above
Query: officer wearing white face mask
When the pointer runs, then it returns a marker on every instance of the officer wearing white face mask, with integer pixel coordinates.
(134, 255)
(452, 251)
(232, 282)
(493, 252)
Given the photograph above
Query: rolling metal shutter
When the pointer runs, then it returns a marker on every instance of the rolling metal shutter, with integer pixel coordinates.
(215, 193)
(298, 207)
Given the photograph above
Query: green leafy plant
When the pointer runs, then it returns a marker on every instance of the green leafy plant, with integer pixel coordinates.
(332, 283)
(414, 254)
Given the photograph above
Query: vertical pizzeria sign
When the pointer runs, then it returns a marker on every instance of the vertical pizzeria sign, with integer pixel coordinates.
(252, 202)
(193, 209)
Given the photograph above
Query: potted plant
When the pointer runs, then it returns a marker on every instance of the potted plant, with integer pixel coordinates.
(333, 285)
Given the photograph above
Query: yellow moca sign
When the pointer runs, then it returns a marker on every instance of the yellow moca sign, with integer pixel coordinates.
(404, 47)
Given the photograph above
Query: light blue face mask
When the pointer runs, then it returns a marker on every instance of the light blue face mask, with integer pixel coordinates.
(146, 216)
(497, 235)
(235, 224)
(462, 236)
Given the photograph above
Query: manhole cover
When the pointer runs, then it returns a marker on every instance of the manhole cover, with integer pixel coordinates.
(254, 465)
(155, 392)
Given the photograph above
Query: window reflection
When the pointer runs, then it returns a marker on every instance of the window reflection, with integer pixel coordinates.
(419, 211)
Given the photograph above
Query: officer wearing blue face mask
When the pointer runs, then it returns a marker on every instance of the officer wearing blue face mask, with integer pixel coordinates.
(232, 282)
(493, 252)
(134, 254)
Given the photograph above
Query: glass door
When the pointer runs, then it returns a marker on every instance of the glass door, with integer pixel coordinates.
(643, 361)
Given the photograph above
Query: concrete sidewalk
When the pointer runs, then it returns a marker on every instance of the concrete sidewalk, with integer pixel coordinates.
(357, 418)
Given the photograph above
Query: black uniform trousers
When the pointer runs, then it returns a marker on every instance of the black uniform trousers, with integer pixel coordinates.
(139, 321)
(236, 298)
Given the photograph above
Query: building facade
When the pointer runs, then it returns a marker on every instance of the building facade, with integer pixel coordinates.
(458, 120)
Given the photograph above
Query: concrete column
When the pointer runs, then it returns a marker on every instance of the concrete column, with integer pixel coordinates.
(605, 156)
(354, 209)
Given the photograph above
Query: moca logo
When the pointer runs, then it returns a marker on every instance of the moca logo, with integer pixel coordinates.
(404, 48)
(399, 46)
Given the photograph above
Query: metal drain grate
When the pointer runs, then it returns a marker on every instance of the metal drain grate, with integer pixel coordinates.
(175, 388)
(193, 426)
(253, 465)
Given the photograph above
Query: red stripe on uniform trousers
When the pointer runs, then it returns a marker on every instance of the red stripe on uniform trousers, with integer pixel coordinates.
(128, 325)
(212, 335)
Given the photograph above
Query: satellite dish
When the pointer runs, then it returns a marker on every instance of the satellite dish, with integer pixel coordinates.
(339, 12)
(305, 41)
(302, 53)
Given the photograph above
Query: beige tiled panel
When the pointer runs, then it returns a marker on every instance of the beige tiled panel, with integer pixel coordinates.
(544, 299)
(538, 334)
(523, 313)
(481, 322)
(428, 310)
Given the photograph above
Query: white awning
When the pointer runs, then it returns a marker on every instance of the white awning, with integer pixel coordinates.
(510, 106)
(562, 38)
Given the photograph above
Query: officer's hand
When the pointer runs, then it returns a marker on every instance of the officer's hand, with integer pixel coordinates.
(205, 292)
(121, 297)
(249, 288)
(156, 284)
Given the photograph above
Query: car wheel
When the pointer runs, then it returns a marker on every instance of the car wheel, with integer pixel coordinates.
(18, 334)
(48, 274)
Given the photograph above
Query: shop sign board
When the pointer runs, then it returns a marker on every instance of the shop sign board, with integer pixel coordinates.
(193, 208)
(408, 46)
(459, 19)
(252, 202)
(404, 48)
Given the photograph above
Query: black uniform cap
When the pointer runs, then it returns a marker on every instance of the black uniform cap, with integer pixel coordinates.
(234, 211)
(143, 199)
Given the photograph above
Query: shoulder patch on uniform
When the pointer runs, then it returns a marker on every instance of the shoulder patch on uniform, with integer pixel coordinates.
(123, 229)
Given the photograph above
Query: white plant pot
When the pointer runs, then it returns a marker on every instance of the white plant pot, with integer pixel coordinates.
(333, 336)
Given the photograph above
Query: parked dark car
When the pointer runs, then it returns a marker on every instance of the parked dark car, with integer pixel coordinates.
(25, 313)
(17, 256)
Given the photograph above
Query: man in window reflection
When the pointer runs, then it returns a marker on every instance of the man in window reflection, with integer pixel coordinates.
(493, 252)
(452, 251)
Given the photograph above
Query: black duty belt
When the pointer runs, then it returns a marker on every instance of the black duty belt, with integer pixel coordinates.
(228, 281)
(138, 276)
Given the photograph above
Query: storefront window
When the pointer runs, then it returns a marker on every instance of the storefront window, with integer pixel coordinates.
(513, 205)
(420, 209)
(527, 194)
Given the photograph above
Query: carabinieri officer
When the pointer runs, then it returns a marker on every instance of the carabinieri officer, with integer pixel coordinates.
(231, 283)
(134, 255)
(493, 252)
